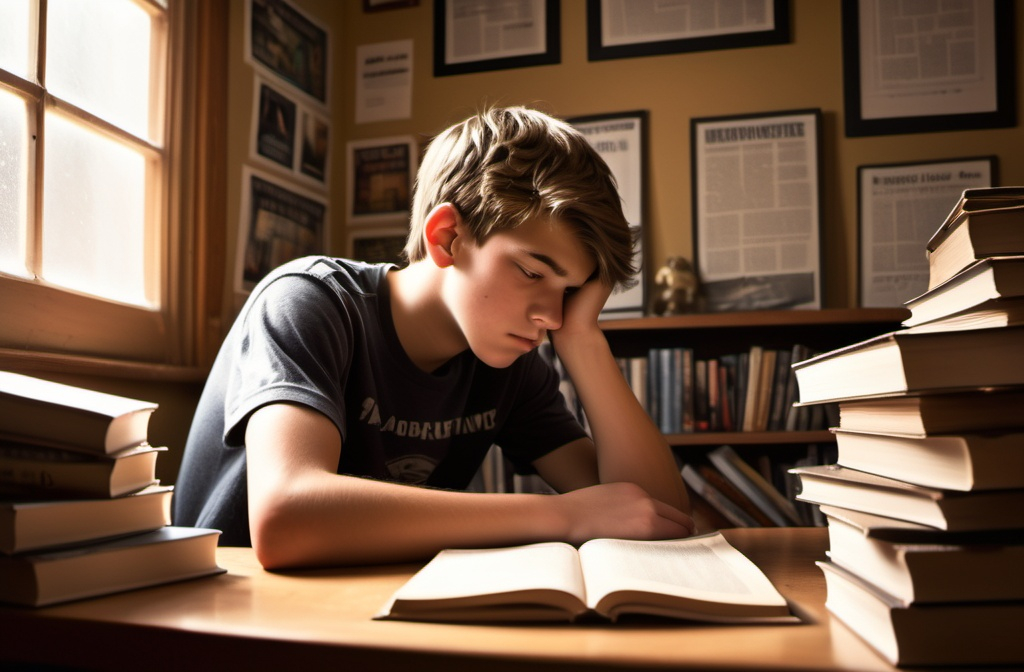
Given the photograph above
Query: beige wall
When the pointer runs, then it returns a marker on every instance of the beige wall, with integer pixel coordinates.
(803, 74)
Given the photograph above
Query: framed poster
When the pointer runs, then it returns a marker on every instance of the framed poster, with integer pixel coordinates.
(925, 67)
(757, 210)
(286, 42)
(899, 207)
(625, 28)
(278, 223)
(621, 140)
(474, 36)
(381, 172)
(378, 245)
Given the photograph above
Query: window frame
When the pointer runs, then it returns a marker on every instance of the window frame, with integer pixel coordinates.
(48, 327)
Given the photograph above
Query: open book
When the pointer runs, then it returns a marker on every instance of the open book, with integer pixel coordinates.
(701, 578)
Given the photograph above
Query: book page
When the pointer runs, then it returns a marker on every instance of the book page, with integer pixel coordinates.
(459, 577)
(704, 568)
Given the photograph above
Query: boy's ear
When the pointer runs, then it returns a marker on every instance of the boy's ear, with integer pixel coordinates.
(441, 230)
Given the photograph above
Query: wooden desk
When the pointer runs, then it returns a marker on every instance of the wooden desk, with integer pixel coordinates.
(321, 619)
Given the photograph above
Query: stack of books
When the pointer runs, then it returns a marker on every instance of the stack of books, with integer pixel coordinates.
(925, 503)
(81, 510)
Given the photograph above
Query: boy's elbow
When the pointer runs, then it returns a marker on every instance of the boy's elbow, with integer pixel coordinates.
(275, 529)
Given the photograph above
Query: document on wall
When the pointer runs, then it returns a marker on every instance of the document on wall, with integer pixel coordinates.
(629, 22)
(757, 211)
(901, 207)
(936, 61)
(491, 30)
(384, 81)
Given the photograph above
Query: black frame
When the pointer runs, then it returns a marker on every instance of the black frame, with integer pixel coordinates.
(596, 51)
(383, 5)
(551, 56)
(754, 285)
(862, 260)
(1004, 116)
(642, 117)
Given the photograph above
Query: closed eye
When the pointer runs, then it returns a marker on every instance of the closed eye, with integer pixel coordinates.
(529, 274)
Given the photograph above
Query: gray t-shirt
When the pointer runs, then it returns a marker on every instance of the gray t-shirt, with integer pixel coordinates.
(319, 332)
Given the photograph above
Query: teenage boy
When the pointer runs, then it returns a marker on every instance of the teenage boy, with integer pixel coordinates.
(351, 404)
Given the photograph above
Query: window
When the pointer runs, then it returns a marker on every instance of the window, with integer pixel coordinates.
(90, 252)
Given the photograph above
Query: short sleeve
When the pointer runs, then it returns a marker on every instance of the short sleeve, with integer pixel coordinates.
(294, 346)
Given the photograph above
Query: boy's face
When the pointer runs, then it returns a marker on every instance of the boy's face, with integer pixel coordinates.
(507, 293)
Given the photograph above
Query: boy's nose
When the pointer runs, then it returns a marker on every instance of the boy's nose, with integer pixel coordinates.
(548, 314)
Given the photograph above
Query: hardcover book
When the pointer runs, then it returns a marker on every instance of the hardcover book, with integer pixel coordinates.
(701, 578)
(64, 416)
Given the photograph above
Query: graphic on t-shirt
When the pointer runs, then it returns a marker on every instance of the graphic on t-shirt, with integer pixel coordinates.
(411, 469)
(426, 430)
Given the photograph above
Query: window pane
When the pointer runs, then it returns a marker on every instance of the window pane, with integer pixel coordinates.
(98, 57)
(13, 182)
(16, 38)
(93, 213)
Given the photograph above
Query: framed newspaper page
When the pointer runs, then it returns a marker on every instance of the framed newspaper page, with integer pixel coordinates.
(381, 172)
(283, 40)
(757, 210)
(899, 207)
(279, 222)
(924, 67)
(626, 28)
(621, 140)
(378, 245)
(474, 36)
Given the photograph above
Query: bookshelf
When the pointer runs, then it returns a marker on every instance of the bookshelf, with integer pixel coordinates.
(716, 334)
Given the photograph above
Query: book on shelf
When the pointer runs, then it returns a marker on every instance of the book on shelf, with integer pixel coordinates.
(127, 563)
(917, 564)
(754, 486)
(983, 286)
(33, 524)
(28, 469)
(914, 361)
(959, 633)
(724, 506)
(752, 387)
(980, 225)
(701, 578)
(952, 510)
(723, 485)
(983, 409)
(64, 416)
(962, 462)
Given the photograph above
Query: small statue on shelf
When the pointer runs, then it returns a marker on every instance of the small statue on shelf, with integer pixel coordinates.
(675, 288)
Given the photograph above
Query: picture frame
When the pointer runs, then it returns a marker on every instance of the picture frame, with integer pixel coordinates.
(378, 245)
(460, 46)
(632, 36)
(899, 207)
(281, 39)
(279, 222)
(382, 5)
(757, 210)
(621, 140)
(925, 87)
(381, 172)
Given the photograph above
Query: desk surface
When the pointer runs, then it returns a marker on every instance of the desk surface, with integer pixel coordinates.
(321, 619)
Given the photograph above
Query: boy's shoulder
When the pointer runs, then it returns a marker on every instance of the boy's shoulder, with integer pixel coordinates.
(349, 275)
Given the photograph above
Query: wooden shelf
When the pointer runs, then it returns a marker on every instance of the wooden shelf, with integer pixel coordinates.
(711, 335)
(760, 318)
(749, 438)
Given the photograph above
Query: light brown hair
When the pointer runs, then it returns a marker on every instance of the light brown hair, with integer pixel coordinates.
(505, 166)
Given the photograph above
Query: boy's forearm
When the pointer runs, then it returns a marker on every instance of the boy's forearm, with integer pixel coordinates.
(328, 519)
(629, 446)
